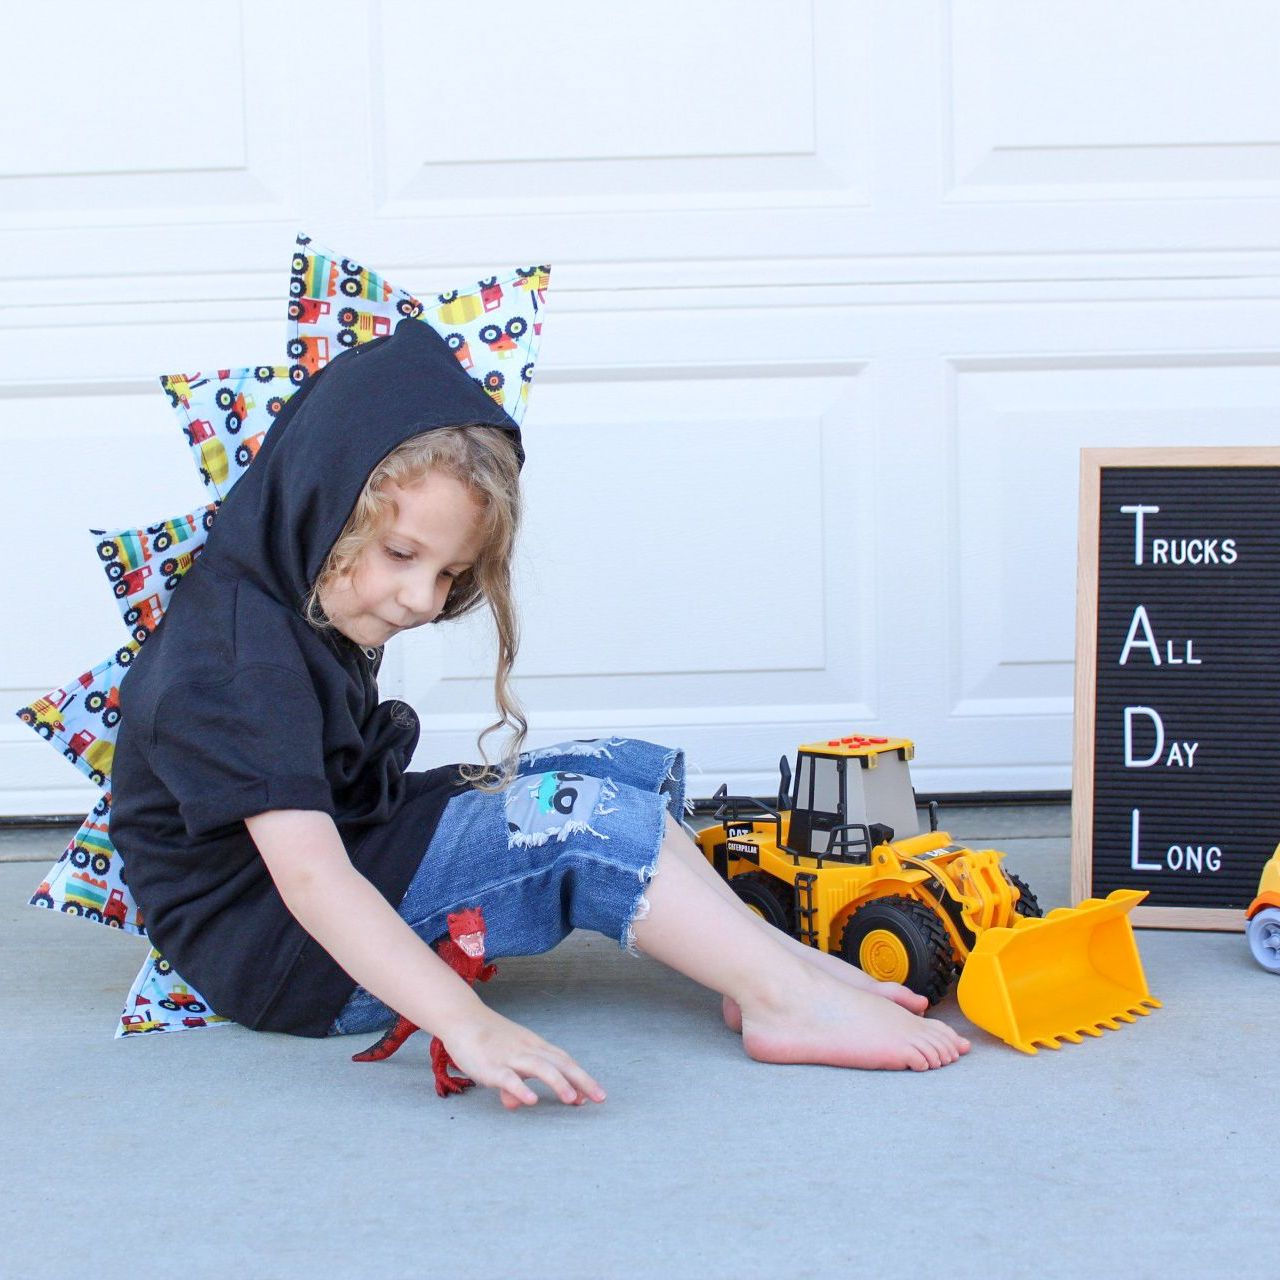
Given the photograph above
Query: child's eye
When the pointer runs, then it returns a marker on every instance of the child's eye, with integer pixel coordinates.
(397, 555)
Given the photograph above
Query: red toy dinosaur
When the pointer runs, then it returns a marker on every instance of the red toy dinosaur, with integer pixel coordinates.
(463, 951)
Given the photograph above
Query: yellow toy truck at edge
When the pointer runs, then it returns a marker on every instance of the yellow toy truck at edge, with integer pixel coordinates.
(1263, 915)
(841, 865)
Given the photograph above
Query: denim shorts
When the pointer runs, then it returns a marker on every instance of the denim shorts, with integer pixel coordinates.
(569, 844)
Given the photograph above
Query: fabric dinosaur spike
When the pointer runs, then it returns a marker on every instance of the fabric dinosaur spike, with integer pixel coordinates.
(87, 881)
(82, 718)
(159, 1000)
(492, 326)
(225, 415)
(145, 565)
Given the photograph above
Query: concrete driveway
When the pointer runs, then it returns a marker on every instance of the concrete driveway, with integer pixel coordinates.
(1148, 1152)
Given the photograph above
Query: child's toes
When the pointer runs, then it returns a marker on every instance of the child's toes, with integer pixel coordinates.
(932, 1051)
(907, 998)
(945, 1039)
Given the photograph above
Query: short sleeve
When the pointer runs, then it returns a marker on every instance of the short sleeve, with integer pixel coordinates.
(230, 749)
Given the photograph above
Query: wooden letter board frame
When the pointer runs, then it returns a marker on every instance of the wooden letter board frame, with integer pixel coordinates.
(1203, 607)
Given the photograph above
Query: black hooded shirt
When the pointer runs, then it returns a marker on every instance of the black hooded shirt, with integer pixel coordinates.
(236, 705)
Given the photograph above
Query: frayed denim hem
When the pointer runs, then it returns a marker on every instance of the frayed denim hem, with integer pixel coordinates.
(588, 748)
(639, 911)
(673, 784)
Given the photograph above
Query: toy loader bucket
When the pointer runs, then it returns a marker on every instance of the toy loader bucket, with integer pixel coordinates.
(1066, 975)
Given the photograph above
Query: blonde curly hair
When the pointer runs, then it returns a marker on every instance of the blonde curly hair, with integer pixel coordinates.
(484, 459)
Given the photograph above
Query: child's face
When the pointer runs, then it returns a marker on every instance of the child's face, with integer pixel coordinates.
(402, 578)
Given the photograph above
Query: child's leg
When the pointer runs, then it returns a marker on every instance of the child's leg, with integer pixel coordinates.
(647, 766)
(692, 855)
(792, 1010)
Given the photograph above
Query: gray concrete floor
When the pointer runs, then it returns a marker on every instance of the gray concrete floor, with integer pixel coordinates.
(1148, 1152)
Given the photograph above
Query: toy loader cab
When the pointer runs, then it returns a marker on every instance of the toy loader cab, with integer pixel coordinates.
(846, 796)
(842, 865)
(849, 795)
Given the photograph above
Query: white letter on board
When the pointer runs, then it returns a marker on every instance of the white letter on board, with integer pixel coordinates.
(1134, 861)
(1129, 761)
(1140, 620)
(1137, 527)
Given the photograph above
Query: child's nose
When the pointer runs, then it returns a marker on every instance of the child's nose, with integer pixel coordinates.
(424, 600)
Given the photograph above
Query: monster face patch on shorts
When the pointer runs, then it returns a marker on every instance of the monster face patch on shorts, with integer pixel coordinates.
(552, 806)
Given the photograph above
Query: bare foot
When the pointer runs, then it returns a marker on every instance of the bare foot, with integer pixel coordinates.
(848, 973)
(855, 977)
(822, 1020)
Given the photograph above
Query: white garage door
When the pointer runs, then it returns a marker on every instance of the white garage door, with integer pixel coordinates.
(840, 290)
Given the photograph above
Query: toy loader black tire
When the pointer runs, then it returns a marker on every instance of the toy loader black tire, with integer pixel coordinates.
(1027, 904)
(768, 897)
(929, 964)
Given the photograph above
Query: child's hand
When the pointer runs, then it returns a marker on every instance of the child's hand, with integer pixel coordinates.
(502, 1055)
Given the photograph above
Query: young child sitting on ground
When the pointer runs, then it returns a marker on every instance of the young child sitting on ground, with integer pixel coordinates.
(292, 867)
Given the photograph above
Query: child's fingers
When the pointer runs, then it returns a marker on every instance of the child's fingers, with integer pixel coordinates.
(515, 1093)
(540, 1068)
(586, 1085)
(576, 1088)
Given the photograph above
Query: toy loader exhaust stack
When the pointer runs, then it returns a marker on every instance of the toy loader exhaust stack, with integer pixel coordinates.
(1069, 974)
(840, 865)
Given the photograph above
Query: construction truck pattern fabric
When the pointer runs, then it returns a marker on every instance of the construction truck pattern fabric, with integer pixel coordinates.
(144, 566)
(160, 1001)
(86, 880)
(81, 719)
(225, 416)
(492, 326)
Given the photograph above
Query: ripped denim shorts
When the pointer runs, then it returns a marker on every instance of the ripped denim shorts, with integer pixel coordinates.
(569, 844)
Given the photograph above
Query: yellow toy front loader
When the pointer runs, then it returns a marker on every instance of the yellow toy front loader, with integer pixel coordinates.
(917, 908)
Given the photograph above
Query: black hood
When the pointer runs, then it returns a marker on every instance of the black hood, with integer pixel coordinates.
(285, 513)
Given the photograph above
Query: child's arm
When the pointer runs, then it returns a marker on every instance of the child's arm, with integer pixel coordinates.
(352, 921)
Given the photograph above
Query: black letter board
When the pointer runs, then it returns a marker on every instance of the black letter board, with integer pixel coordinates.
(1177, 743)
